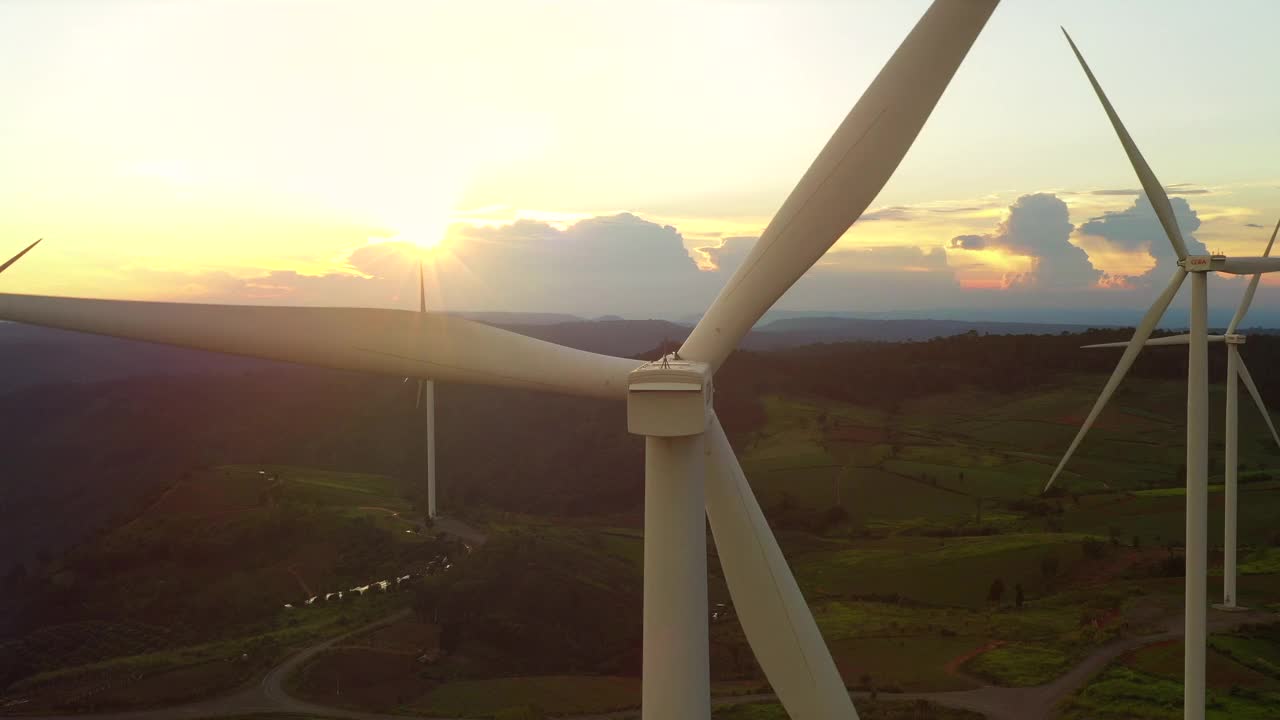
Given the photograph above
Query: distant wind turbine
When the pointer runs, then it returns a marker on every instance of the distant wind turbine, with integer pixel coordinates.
(430, 390)
(689, 465)
(1199, 266)
(1235, 369)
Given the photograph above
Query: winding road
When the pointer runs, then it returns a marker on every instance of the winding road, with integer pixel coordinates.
(997, 703)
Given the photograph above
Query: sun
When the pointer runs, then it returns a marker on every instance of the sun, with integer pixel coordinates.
(428, 236)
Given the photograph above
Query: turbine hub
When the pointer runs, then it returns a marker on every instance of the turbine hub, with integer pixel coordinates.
(669, 397)
(1199, 263)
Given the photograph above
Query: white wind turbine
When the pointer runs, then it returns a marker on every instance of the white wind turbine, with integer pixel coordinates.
(1199, 266)
(1231, 456)
(428, 388)
(689, 464)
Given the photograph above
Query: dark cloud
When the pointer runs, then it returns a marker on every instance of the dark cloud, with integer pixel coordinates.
(1120, 191)
(1038, 227)
(1254, 225)
(1137, 228)
(968, 242)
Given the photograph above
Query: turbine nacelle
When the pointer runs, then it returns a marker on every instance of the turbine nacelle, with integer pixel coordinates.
(669, 397)
(1230, 265)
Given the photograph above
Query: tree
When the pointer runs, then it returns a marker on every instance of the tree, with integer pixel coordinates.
(1137, 542)
(1017, 595)
(996, 592)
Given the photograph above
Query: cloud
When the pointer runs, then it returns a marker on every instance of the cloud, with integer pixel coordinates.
(968, 242)
(729, 254)
(1137, 228)
(1038, 227)
(611, 264)
(862, 278)
(896, 212)
(1254, 225)
(1179, 189)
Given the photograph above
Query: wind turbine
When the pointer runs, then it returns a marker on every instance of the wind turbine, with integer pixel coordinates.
(1235, 369)
(1198, 266)
(689, 464)
(18, 257)
(430, 391)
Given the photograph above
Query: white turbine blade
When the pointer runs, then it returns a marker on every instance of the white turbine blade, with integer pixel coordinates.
(845, 177)
(18, 257)
(1140, 335)
(1247, 265)
(1158, 342)
(391, 342)
(1257, 399)
(773, 613)
(1247, 299)
(1154, 190)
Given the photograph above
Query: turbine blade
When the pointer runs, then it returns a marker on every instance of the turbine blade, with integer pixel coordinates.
(1154, 190)
(777, 622)
(392, 342)
(1247, 299)
(1140, 335)
(1257, 399)
(1158, 342)
(845, 177)
(18, 257)
(422, 289)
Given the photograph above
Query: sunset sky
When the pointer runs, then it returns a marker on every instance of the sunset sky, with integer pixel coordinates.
(594, 157)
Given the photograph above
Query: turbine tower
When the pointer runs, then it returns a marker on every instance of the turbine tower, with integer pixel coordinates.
(430, 390)
(690, 467)
(1236, 369)
(1198, 266)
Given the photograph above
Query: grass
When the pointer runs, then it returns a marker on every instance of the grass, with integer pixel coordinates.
(917, 663)
(939, 571)
(1122, 693)
(1264, 561)
(1222, 670)
(1019, 664)
(558, 694)
(880, 709)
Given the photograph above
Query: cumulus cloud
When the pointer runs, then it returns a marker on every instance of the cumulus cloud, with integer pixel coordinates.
(619, 264)
(729, 254)
(1137, 228)
(968, 242)
(1038, 227)
(614, 264)
(863, 278)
